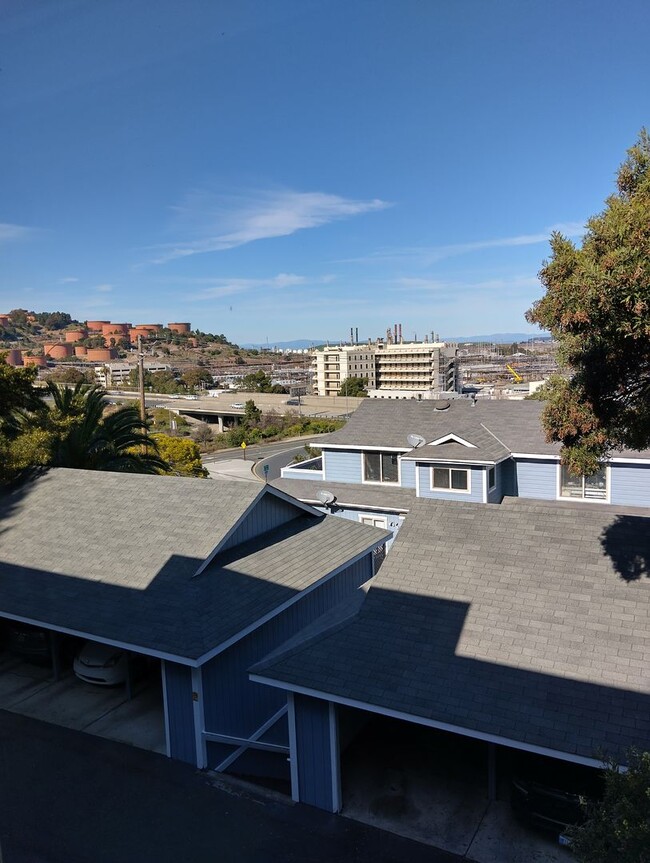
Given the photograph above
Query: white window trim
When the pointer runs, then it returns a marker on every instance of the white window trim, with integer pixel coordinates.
(365, 481)
(467, 490)
(596, 500)
(487, 473)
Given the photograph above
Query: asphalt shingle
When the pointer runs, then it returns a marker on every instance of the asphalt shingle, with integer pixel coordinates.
(115, 555)
(518, 621)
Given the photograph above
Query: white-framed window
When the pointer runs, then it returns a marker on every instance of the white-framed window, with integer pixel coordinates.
(380, 467)
(455, 479)
(592, 487)
(492, 478)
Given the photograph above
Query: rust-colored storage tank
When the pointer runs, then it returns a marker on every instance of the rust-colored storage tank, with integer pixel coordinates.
(57, 350)
(14, 358)
(149, 328)
(41, 362)
(80, 351)
(179, 328)
(101, 355)
(95, 326)
(115, 329)
(75, 335)
(5, 320)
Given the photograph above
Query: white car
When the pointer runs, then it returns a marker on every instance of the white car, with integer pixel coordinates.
(239, 405)
(101, 663)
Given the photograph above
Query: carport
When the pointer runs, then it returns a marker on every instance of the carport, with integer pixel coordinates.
(537, 646)
(130, 713)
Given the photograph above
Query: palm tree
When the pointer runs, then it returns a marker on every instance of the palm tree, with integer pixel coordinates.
(89, 440)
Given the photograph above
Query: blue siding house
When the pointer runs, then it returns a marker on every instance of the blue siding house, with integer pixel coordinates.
(205, 577)
(462, 450)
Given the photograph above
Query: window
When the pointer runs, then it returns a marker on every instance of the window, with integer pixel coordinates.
(380, 467)
(492, 478)
(450, 479)
(592, 487)
(375, 521)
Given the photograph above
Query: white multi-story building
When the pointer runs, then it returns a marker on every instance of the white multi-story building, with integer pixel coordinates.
(111, 375)
(333, 365)
(406, 370)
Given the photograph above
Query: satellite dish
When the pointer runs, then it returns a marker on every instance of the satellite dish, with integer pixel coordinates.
(415, 440)
(326, 497)
(441, 405)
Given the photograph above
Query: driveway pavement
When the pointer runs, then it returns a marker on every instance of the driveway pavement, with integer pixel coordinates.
(106, 711)
(67, 797)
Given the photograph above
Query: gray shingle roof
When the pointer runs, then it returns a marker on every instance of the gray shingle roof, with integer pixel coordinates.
(114, 555)
(386, 497)
(494, 427)
(531, 623)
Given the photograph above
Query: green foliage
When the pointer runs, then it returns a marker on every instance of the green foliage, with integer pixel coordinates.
(63, 375)
(203, 433)
(617, 829)
(182, 455)
(252, 413)
(74, 432)
(260, 382)
(194, 377)
(354, 387)
(17, 391)
(309, 453)
(597, 306)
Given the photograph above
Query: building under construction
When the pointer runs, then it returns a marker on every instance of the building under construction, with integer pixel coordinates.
(392, 367)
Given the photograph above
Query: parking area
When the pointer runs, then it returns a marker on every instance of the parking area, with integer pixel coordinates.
(107, 711)
(432, 786)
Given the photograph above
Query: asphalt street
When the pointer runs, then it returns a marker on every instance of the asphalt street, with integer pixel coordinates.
(69, 797)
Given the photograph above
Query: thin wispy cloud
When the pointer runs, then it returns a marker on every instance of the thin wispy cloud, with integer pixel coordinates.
(216, 288)
(12, 233)
(218, 223)
(426, 255)
(103, 289)
(68, 280)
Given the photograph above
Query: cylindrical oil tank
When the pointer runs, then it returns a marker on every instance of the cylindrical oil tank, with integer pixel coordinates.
(80, 351)
(58, 350)
(149, 328)
(5, 320)
(75, 335)
(95, 326)
(41, 362)
(14, 358)
(115, 329)
(101, 355)
(182, 327)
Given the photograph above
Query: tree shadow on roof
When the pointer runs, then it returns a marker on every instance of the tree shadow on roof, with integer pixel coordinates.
(626, 541)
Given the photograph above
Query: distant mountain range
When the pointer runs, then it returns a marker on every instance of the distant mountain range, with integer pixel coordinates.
(498, 338)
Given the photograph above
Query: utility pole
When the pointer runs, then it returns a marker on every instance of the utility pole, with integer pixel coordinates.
(143, 409)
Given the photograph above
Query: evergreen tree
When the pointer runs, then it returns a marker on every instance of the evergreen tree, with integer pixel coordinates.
(597, 306)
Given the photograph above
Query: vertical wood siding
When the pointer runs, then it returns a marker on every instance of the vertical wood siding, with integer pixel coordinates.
(342, 466)
(314, 752)
(235, 705)
(269, 512)
(178, 683)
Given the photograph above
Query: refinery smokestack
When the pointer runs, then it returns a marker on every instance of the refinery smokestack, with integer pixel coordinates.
(400, 334)
(356, 335)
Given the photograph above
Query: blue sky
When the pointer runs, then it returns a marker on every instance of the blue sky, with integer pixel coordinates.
(281, 170)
